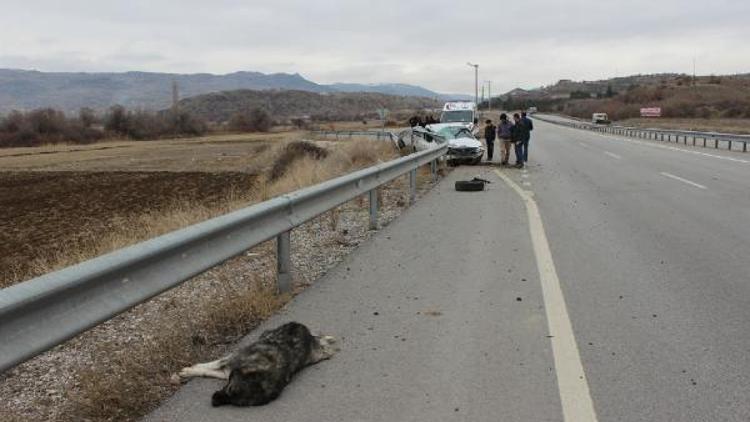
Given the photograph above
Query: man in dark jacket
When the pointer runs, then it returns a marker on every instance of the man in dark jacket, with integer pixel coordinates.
(525, 143)
(489, 137)
(519, 134)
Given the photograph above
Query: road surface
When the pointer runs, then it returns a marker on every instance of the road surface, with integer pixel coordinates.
(608, 281)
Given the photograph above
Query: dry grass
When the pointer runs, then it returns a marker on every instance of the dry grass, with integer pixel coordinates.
(308, 170)
(126, 382)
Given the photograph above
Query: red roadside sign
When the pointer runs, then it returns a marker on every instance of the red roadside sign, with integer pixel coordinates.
(651, 112)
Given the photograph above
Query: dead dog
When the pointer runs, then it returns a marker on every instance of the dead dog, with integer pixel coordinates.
(258, 372)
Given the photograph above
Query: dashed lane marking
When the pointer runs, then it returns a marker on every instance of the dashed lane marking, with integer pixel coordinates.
(653, 145)
(672, 176)
(613, 155)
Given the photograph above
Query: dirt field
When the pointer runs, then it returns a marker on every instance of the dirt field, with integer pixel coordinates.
(213, 153)
(47, 213)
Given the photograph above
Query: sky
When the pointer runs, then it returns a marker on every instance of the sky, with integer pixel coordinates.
(428, 43)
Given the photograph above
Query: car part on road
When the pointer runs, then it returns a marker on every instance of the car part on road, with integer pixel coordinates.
(474, 185)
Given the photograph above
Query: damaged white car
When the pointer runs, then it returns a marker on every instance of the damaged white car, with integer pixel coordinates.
(416, 139)
(463, 146)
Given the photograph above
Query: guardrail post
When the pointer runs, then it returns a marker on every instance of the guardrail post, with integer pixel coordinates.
(694, 140)
(684, 141)
(433, 170)
(373, 209)
(730, 144)
(716, 143)
(744, 146)
(412, 186)
(284, 262)
(704, 142)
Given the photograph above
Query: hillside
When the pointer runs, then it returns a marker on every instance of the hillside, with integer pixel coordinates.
(219, 107)
(25, 89)
(679, 96)
(565, 87)
(398, 89)
(707, 97)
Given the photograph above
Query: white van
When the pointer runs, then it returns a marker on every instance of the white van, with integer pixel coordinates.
(459, 113)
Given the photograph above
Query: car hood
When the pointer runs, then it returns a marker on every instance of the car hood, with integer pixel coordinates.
(436, 127)
(464, 143)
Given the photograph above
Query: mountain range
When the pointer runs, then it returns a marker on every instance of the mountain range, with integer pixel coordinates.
(29, 89)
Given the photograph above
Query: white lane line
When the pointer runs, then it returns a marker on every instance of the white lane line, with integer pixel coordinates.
(577, 405)
(653, 145)
(613, 155)
(672, 176)
(583, 145)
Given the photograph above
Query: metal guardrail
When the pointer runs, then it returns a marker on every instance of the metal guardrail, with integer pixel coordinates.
(339, 134)
(696, 138)
(41, 313)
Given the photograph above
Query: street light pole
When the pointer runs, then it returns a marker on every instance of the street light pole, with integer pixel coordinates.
(476, 81)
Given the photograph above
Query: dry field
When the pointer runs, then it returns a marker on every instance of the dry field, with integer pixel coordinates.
(46, 215)
(204, 154)
(60, 204)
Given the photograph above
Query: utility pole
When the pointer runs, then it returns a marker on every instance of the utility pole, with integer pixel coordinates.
(489, 96)
(476, 81)
(693, 70)
(175, 97)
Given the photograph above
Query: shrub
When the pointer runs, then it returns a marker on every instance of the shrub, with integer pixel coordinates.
(256, 120)
(300, 123)
(183, 123)
(45, 126)
(142, 125)
(579, 95)
(293, 152)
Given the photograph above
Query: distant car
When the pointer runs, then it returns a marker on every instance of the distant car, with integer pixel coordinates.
(531, 110)
(600, 119)
(463, 146)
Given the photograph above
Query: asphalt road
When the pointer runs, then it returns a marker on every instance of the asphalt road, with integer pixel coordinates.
(456, 312)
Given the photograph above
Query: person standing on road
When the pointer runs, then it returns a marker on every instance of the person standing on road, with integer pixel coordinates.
(525, 143)
(518, 134)
(503, 132)
(489, 137)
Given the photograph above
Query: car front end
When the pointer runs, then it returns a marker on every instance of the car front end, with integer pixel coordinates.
(464, 154)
